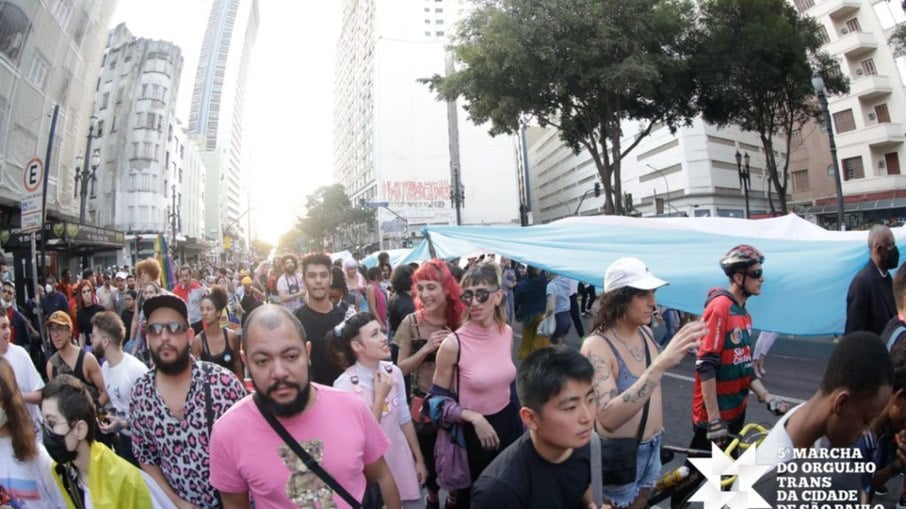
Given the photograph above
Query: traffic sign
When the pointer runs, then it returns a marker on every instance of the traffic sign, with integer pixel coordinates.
(376, 204)
(32, 204)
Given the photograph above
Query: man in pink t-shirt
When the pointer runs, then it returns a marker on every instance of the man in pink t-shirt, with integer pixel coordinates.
(334, 427)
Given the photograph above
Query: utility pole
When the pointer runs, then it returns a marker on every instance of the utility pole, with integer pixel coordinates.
(457, 197)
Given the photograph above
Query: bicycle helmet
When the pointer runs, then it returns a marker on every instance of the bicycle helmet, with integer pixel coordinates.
(742, 256)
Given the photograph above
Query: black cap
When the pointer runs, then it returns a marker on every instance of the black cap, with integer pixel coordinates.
(165, 301)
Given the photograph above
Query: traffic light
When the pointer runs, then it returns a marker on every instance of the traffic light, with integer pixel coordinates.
(597, 189)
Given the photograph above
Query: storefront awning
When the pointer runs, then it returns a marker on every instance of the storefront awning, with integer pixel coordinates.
(862, 206)
(65, 235)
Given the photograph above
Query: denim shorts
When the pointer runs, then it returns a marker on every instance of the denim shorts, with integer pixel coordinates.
(647, 468)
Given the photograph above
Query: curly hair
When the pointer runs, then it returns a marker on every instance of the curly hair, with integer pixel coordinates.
(401, 279)
(436, 270)
(218, 297)
(18, 421)
(148, 266)
(612, 306)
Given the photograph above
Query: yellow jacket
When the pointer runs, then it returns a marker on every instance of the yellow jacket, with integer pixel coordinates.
(113, 482)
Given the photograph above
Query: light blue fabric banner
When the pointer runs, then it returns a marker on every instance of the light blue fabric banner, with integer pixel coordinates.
(805, 284)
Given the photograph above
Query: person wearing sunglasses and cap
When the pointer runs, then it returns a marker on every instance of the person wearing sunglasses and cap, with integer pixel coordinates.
(724, 370)
(174, 406)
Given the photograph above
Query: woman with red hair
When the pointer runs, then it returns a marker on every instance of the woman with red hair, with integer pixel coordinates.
(439, 310)
(88, 307)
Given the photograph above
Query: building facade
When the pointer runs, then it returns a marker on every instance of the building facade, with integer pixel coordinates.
(392, 138)
(49, 53)
(692, 172)
(216, 114)
(868, 122)
(136, 127)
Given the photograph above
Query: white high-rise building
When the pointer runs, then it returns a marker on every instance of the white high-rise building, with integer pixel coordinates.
(216, 113)
(690, 173)
(869, 122)
(135, 106)
(49, 54)
(392, 136)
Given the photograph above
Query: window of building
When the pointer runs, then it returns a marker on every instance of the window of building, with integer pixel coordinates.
(113, 125)
(13, 31)
(800, 180)
(853, 25)
(99, 128)
(882, 113)
(822, 34)
(62, 12)
(135, 153)
(852, 168)
(39, 72)
(892, 162)
(120, 91)
(804, 5)
(868, 67)
(439, 9)
(439, 33)
(844, 121)
(150, 120)
(427, 34)
(438, 22)
(105, 99)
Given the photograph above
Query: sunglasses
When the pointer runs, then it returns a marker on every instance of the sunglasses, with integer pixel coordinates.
(156, 329)
(755, 273)
(481, 295)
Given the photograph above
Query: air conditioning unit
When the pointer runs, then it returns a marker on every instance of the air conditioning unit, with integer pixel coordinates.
(859, 71)
(872, 116)
(844, 30)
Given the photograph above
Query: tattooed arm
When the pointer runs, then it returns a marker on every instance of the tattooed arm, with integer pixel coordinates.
(616, 409)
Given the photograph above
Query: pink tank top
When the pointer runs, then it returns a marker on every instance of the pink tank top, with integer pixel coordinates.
(486, 368)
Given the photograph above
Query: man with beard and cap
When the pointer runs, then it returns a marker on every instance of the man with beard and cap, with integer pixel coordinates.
(174, 406)
(869, 301)
(248, 457)
(289, 286)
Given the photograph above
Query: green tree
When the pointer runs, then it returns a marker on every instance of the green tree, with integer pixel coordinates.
(754, 60)
(329, 210)
(581, 66)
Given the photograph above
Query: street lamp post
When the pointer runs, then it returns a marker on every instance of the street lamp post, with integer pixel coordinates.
(821, 92)
(83, 175)
(175, 219)
(745, 178)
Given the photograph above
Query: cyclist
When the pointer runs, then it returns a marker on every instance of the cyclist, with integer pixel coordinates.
(723, 367)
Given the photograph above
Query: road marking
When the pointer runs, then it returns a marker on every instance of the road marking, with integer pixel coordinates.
(691, 379)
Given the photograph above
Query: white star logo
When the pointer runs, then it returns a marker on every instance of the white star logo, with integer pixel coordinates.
(747, 473)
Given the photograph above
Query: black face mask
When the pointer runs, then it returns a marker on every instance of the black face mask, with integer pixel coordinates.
(893, 258)
(56, 447)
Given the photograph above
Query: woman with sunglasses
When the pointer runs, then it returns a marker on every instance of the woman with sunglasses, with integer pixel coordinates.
(628, 371)
(475, 373)
(359, 346)
(88, 473)
(25, 480)
(215, 337)
(439, 310)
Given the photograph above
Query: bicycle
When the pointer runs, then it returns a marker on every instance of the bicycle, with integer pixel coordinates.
(681, 483)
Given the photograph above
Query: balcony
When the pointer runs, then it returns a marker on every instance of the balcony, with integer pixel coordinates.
(877, 136)
(853, 44)
(870, 87)
(836, 9)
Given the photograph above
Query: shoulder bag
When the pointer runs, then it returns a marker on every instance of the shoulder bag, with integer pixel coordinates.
(451, 460)
(618, 455)
(306, 458)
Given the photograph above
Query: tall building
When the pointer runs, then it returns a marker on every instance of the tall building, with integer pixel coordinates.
(869, 125)
(692, 172)
(391, 137)
(49, 52)
(216, 113)
(135, 106)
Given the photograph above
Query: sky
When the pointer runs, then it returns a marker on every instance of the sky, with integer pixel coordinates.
(289, 101)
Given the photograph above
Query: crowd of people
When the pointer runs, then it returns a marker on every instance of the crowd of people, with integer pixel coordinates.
(311, 382)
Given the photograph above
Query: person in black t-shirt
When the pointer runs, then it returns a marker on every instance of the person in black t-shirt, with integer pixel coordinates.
(549, 466)
(319, 316)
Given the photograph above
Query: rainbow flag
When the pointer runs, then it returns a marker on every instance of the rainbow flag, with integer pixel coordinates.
(162, 253)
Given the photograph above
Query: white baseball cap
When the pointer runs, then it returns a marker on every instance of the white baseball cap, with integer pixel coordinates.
(632, 272)
(121, 275)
